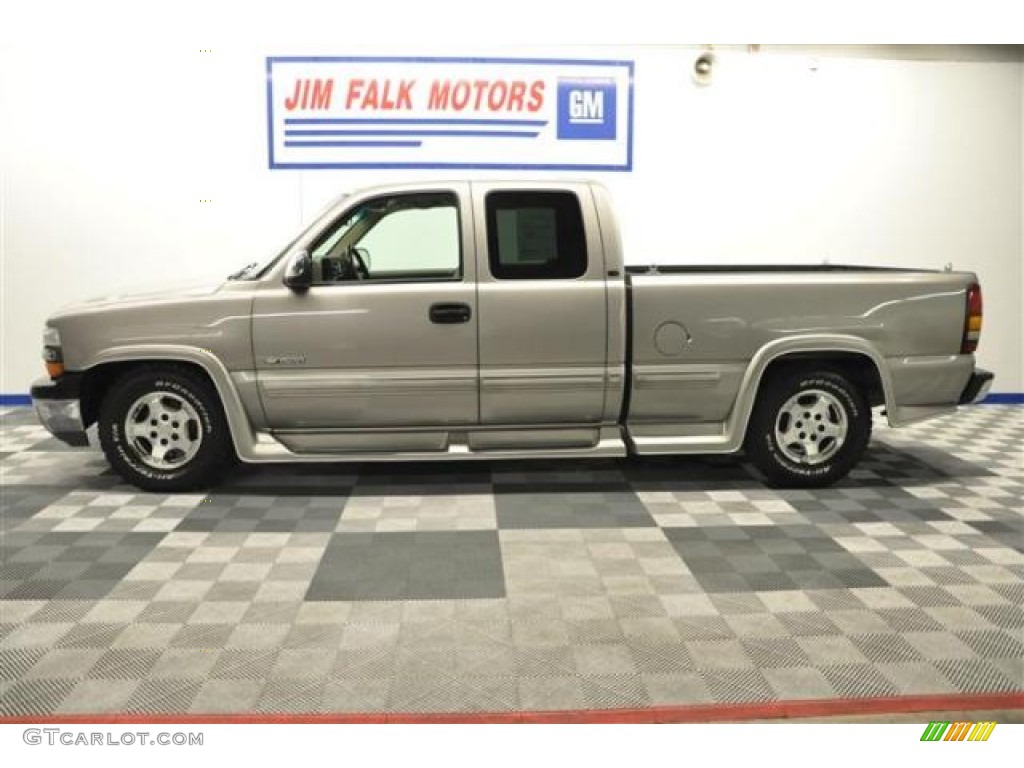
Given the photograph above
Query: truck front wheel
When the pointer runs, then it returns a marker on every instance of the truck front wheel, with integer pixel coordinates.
(808, 429)
(162, 429)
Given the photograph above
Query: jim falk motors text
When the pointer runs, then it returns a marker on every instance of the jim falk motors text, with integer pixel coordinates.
(401, 94)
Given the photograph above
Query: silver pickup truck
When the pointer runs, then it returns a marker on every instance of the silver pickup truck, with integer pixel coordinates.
(495, 320)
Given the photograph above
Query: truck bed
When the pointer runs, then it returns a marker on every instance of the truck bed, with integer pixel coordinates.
(694, 331)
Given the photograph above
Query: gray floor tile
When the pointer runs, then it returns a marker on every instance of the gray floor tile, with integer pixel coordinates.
(15, 662)
(551, 692)
(977, 675)
(589, 506)
(226, 697)
(163, 696)
(98, 696)
(670, 688)
(614, 691)
(798, 683)
(409, 566)
(358, 695)
(38, 697)
(737, 685)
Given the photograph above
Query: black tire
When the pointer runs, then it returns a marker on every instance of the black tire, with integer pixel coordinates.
(839, 407)
(202, 426)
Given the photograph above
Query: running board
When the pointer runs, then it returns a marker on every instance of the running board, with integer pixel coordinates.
(679, 446)
(266, 448)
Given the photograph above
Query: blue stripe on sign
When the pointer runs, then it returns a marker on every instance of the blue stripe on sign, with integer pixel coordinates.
(15, 399)
(409, 121)
(353, 143)
(415, 132)
(1004, 398)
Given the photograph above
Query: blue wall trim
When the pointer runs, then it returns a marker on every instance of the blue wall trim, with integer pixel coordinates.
(1004, 398)
(993, 398)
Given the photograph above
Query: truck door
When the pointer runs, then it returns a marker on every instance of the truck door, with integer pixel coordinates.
(386, 337)
(543, 320)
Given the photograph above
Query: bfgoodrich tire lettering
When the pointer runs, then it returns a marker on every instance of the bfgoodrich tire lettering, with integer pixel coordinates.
(202, 417)
(817, 453)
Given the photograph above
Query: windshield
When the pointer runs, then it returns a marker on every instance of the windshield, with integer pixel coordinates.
(257, 268)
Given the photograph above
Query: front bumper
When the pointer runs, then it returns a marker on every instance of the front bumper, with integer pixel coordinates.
(58, 407)
(977, 387)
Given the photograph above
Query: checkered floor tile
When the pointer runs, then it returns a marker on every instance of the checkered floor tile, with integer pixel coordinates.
(522, 585)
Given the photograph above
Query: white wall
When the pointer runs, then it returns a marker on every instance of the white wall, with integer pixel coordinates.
(110, 143)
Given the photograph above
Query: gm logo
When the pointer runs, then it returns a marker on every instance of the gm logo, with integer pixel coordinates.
(586, 108)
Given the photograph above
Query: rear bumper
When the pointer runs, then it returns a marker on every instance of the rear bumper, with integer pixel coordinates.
(977, 387)
(58, 408)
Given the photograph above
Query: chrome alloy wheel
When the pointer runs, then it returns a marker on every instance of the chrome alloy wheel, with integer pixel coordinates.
(811, 427)
(163, 430)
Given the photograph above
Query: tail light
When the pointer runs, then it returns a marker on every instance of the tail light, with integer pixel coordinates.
(972, 320)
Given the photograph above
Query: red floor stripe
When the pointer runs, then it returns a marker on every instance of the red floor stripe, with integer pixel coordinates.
(702, 713)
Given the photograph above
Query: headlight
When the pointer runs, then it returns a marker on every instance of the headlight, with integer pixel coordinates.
(51, 337)
(53, 354)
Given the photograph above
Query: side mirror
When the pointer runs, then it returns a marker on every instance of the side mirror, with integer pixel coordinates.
(299, 274)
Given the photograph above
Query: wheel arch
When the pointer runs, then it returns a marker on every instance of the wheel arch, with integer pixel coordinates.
(857, 367)
(111, 365)
(851, 356)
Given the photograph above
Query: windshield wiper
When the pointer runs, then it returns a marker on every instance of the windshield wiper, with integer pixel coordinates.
(241, 273)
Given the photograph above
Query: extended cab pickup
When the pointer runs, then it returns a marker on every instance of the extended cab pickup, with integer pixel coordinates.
(488, 320)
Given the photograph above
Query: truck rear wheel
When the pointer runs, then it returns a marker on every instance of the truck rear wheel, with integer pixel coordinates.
(162, 428)
(809, 428)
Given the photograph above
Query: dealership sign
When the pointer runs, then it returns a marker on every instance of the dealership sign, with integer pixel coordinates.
(376, 112)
